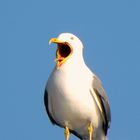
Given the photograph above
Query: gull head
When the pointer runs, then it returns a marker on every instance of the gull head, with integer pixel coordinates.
(68, 46)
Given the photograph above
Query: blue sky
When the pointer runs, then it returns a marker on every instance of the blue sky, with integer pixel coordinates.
(110, 32)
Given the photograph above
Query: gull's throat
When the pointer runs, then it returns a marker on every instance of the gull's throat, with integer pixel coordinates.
(63, 52)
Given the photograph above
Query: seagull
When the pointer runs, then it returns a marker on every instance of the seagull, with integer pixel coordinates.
(74, 96)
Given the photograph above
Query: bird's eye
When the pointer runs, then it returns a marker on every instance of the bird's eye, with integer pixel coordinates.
(72, 38)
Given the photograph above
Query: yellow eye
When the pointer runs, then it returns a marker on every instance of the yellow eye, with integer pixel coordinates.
(72, 38)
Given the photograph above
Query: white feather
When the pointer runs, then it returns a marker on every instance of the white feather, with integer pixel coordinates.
(70, 101)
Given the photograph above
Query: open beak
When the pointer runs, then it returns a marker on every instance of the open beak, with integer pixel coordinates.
(63, 52)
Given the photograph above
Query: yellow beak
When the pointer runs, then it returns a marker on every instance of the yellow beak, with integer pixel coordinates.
(54, 40)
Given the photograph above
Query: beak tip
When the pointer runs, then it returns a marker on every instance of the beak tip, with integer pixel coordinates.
(54, 40)
(50, 42)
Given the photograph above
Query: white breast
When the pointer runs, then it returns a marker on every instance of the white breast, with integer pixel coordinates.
(70, 101)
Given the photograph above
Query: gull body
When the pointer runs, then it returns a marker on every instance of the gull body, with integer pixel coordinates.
(71, 95)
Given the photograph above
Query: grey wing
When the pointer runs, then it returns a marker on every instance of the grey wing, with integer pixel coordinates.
(46, 102)
(102, 103)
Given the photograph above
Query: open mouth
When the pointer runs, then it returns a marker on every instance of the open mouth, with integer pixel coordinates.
(64, 50)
